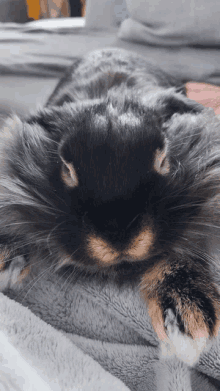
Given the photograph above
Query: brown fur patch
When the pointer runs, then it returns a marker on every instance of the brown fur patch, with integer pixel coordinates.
(149, 291)
(141, 245)
(64, 260)
(3, 258)
(153, 277)
(102, 251)
(68, 175)
(216, 328)
(156, 316)
(161, 163)
(24, 273)
(2, 264)
(216, 305)
(192, 317)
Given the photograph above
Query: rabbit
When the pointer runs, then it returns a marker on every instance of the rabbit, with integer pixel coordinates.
(118, 177)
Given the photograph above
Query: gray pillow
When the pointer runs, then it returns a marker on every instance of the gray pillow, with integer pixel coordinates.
(13, 11)
(105, 14)
(172, 22)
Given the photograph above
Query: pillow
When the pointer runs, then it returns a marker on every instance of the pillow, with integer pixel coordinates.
(13, 11)
(172, 22)
(105, 14)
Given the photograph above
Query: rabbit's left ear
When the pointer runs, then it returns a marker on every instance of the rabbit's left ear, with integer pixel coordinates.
(179, 104)
(169, 102)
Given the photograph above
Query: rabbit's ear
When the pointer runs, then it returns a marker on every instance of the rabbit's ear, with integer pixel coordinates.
(169, 102)
(179, 104)
(68, 172)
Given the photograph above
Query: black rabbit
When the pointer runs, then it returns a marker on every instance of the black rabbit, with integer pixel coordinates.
(119, 176)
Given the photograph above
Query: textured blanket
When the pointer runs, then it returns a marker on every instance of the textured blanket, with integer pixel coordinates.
(36, 357)
(95, 332)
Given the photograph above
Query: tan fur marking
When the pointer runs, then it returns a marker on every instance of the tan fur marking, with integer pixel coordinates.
(216, 328)
(64, 260)
(149, 290)
(2, 264)
(153, 277)
(216, 305)
(156, 316)
(3, 257)
(102, 251)
(194, 322)
(141, 245)
(159, 157)
(69, 176)
(24, 273)
(192, 317)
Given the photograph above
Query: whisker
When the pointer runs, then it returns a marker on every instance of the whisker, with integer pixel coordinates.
(49, 236)
(21, 223)
(184, 206)
(79, 272)
(66, 280)
(203, 255)
(199, 233)
(205, 224)
(34, 281)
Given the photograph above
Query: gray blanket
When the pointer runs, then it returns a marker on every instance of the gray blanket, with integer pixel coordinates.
(112, 326)
(36, 357)
(26, 50)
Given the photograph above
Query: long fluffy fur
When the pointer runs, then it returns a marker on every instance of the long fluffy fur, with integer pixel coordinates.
(78, 186)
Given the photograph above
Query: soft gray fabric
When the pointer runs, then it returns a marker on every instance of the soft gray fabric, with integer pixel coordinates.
(13, 11)
(112, 326)
(105, 14)
(23, 95)
(28, 51)
(168, 22)
(36, 357)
